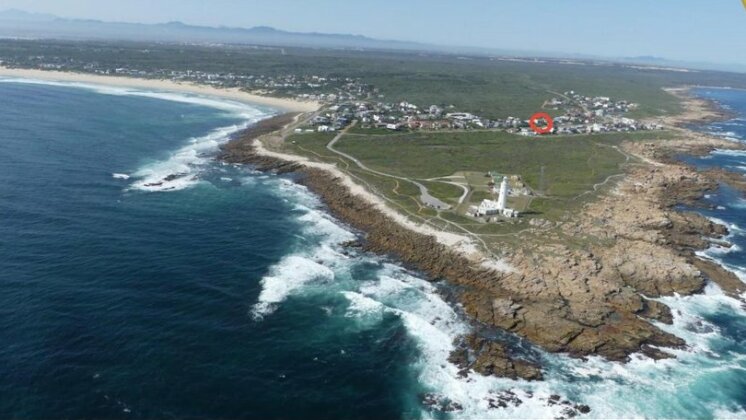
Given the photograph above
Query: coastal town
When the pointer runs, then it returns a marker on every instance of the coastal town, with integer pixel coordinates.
(347, 100)
(299, 230)
(578, 114)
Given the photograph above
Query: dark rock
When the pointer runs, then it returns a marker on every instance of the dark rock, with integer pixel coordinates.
(173, 177)
(583, 409)
(436, 402)
(489, 357)
(654, 353)
(503, 399)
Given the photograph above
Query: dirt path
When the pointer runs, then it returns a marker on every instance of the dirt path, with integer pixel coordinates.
(425, 195)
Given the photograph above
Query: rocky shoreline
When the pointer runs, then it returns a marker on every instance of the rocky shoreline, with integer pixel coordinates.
(587, 299)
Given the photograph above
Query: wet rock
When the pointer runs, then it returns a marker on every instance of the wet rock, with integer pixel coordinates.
(700, 327)
(437, 402)
(655, 310)
(503, 399)
(352, 244)
(569, 409)
(173, 177)
(583, 409)
(581, 300)
(491, 358)
(654, 353)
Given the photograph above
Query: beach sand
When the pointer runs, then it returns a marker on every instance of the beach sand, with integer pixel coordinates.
(162, 85)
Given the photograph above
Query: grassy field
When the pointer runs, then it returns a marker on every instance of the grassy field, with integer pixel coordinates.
(483, 85)
(561, 171)
(571, 164)
(573, 168)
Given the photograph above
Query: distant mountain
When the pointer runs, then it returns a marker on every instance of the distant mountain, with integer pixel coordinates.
(661, 62)
(646, 58)
(22, 16)
(20, 24)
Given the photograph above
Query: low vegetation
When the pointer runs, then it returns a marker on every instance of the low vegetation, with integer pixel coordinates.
(561, 171)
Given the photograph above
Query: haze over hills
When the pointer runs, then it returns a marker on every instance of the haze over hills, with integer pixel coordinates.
(16, 23)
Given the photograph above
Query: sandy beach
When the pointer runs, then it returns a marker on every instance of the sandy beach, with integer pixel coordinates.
(162, 85)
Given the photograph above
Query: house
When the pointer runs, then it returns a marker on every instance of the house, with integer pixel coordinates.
(320, 120)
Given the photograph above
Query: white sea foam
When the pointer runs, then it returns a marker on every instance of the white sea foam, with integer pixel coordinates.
(182, 168)
(733, 229)
(120, 176)
(665, 388)
(739, 204)
(287, 276)
(726, 152)
(641, 388)
(611, 389)
(316, 262)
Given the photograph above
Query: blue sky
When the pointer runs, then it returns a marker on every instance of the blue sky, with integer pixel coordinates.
(692, 30)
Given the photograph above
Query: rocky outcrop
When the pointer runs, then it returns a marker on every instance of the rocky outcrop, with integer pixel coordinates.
(489, 357)
(241, 150)
(580, 286)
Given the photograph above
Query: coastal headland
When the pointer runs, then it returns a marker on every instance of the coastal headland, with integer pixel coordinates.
(592, 299)
(580, 284)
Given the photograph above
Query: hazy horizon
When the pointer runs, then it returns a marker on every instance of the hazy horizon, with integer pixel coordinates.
(681, 30)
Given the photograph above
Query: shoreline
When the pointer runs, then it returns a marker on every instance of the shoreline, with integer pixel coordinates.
(387, 233)
(600, 320)
(579, 302)
(233, 94)
(696, 110)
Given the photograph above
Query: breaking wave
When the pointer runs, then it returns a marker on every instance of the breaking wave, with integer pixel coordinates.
(321, 267)
(182, 168)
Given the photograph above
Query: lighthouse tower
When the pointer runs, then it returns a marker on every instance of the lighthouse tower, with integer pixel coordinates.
(502, 199)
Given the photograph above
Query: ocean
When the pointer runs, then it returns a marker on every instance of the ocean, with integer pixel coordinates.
(141, 278)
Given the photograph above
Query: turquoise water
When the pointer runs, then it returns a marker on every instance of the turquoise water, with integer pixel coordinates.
(140, 278)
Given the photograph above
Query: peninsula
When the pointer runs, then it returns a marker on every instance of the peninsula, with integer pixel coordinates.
(598, 232)
(578, 284)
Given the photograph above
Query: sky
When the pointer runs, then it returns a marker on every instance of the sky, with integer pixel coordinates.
(707, 31)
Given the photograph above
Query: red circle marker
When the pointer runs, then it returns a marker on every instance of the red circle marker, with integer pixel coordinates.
(540, 116)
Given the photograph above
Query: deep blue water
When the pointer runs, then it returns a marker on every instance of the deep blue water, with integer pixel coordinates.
(140, 278)
(729, 204)
(116, 302)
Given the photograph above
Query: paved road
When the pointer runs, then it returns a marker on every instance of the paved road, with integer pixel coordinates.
(425, 196)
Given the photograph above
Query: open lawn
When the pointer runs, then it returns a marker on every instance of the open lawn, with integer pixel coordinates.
(574, 167)
(571, 165)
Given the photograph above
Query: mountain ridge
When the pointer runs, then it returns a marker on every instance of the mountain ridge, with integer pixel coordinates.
(15, 23)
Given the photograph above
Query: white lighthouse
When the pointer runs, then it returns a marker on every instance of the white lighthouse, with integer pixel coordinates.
(491, 207)
(502, 198)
